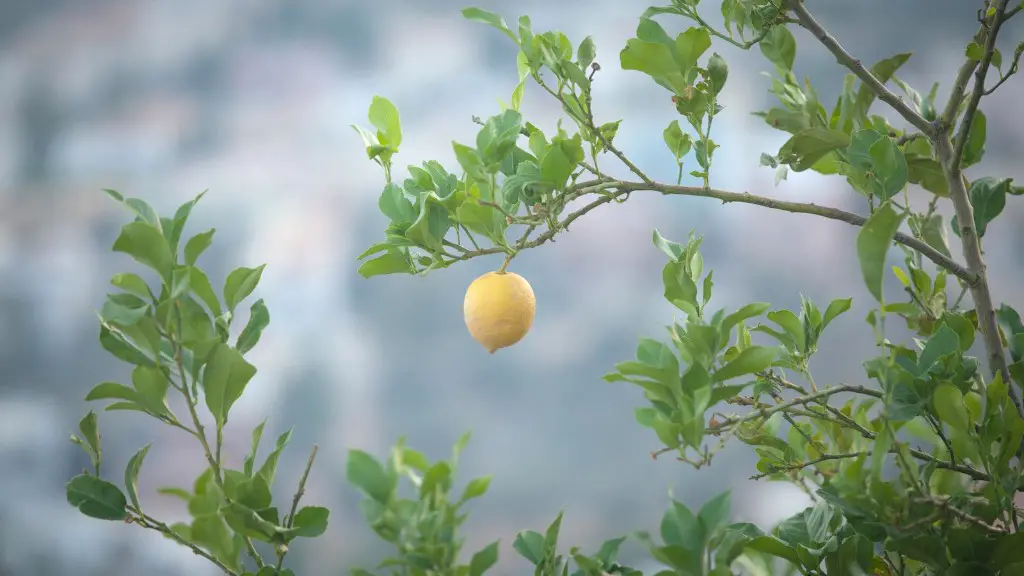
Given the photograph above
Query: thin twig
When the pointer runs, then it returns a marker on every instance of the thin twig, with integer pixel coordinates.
(154, 524)
(289, 520)
(808, 22)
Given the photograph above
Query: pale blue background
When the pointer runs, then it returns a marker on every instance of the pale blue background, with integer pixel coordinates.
(252, 100)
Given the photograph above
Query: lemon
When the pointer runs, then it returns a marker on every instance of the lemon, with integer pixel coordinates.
(499, 309)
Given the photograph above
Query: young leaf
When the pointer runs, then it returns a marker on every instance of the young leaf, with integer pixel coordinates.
(384, 117)
(259, 319)
(91, 434)
(131, 475)
(240, 283)
(269, 468)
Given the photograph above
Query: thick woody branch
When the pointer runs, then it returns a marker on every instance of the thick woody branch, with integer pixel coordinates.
(808, 22)
(950, 155)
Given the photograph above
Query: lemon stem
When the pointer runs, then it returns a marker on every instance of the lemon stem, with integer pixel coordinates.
(504, 265)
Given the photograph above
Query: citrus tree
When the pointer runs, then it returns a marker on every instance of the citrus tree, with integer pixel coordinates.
(913, 469)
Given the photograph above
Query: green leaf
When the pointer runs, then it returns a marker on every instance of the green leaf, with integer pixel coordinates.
(889, 167)
(974, 148)
(586, 53)
(690, 45)
(809, 145)
(654, 59)
(1009, 550)
(678, 142)
(470, 161)
(718, 72)
(774, 547)
(395, 205)
(121, 348)
(950, 408)
(90, 432)
(310, 521)
(240, 283)
(112, 391)
(151, 384)
(431, 225)
(498, 136)
(883, 70)
(933, 230)
(96, 498)
(779, 47)
(530, 545)
(269, 468)
(750, 360)
(224, 380)
(259, 319)
(147, 245)
(198, 244)
(394, 262)
(928, 174)
(485, 558)
(257, 435)
(873, 243)
(177, 225)
(715, 512)
(988, 197)
(944, 341)
(487, 17)
(384, 117)
(477, 487)
(132, 283)
(199, 282)
(556, 166)
(835, 308)
(366, 473)
(131, 474)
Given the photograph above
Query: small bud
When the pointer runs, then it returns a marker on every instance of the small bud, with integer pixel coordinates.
(595, 66)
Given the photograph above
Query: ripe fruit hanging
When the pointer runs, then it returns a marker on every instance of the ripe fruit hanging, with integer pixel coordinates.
(499, 309)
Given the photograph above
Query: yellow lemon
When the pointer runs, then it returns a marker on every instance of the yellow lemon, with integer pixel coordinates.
(499, 309)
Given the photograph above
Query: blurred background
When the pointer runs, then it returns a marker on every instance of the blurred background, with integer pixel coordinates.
(162, 99)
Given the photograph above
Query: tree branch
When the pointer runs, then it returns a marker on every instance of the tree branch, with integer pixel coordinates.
(979, 81)
(807, 22)
(803, 208)
(951, 157)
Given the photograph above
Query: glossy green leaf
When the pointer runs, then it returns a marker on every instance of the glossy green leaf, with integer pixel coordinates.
(96, 498)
